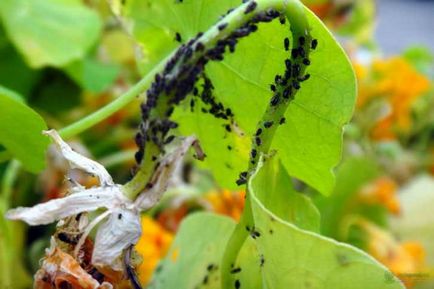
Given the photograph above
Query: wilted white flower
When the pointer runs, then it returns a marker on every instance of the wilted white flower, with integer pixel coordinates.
(121, 228)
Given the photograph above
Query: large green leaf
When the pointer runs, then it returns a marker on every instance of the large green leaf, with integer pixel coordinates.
(50, 32)
(21, 131)
(194, 257)
(296, 258)
(312, 136)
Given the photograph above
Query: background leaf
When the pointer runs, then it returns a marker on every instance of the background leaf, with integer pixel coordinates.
(194, 257)
(21, 131)
(50, 32)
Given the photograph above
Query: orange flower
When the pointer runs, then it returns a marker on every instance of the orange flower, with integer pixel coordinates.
(397, 82)
(403, 259)
(381, 191)
(152, 246)
(227, 203)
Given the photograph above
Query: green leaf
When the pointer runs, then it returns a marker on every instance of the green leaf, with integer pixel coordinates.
(312, 135)
(12, 64)
(92, 75)
(296, 258)
(50, 32)
(21, 131)
(274, 187)
(199, 243)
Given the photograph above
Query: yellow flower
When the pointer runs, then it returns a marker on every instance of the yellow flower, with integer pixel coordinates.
(397, 82)
(403, 259)
(227, 203)
(381, 191)
(152, 246)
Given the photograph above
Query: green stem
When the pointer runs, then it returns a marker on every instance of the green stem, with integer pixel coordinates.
(294, 12)
(7, 248)
(112, 107)
(117, 158)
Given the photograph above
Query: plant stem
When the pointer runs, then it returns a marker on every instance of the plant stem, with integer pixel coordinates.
(294, 12)
(112, 107)
(8, 252)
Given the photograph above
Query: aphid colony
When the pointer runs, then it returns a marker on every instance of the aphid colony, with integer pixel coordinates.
(179, 77)
(183, 71)
(283, 91)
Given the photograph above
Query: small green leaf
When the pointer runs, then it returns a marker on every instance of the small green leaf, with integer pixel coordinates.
(193, 260)
(50, 32)
(21, 131)
(274, 188)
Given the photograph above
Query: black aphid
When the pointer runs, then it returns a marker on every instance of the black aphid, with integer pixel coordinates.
(67, 238)
(199, 46)
(288, 63)
(228, 128)
(236, 270)
(139, 156)
(169, 139)
(273, 87)
(253, 153)
(304, 78)
(314, 44)
(294, 53)
(210, 267)
(286, 43)
(222, 26)
(229, 148)
(277, 79)
(275, 100)
(240, 182)
(237, 284)
(306, 61)
(301, 52)
(261, 260)
(287, 92)
(258, 141)
(296, 84)
(301, 40)
(191, 104)
(119, 216)
(251, 7)
(282, 19)
(268, 124)
(178, 37)
(243, 174)
(282, 120)
(205, 280)
(258, 132)
(296, 69)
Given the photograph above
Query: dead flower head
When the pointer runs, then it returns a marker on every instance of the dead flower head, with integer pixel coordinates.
(121, 227)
